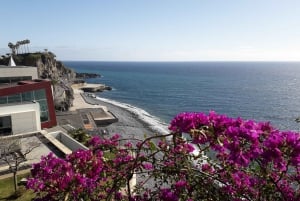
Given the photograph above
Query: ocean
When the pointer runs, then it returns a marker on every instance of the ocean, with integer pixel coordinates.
(157, 91)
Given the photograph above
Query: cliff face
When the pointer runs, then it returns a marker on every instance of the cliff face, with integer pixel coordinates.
(49, 68)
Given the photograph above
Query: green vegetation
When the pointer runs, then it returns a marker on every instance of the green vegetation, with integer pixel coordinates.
(7, 190)
(80, 135)
(30, 59)
(27, 59)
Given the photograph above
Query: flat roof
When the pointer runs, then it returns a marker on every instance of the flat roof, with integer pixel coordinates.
(100, 114)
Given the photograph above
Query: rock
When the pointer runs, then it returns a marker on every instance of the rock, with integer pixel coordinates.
(87, 75)
(108, 88)
(63, 96)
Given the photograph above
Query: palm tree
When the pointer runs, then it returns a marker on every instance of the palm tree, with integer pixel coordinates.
(11, 46)
(27, 42)
(22, 46)
(17, 45)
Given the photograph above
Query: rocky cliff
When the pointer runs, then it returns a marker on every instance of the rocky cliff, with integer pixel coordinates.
(49, 68)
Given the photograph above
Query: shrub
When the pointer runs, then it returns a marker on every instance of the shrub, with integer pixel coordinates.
(220, 158)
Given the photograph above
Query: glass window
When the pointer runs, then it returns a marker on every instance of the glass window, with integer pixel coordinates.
(3, 100)
(4, 80)
(14, 79)
(5, 121)
(44, 116)
(16, 98)
(43, 105)
(40, 94)
(27, 96)
(5, 125)
(17, 79)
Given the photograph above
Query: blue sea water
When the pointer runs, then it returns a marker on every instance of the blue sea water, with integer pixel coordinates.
(264, 91)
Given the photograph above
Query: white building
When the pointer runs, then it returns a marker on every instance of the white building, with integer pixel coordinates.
(19, 118)
(10, 74)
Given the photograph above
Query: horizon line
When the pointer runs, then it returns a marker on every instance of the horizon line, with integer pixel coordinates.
(296, 61)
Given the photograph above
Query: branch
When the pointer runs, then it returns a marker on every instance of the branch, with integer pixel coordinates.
(31, 148)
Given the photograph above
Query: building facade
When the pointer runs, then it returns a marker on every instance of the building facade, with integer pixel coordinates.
(39, 91)
(19, 118)
(11, 74)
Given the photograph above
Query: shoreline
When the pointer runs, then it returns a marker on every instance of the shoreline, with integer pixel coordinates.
(130, 124)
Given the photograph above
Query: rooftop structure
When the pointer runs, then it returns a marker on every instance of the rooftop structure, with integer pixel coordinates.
(11, 74)
(31, 91)
(19, 118)
(103, 116)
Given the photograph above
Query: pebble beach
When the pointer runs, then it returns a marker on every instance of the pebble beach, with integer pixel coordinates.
(128, 125)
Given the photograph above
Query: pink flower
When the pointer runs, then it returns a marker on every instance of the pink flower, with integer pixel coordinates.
(147, 166)
(180, 184)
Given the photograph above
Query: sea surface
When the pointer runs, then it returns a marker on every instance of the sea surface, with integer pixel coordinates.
(157, 91)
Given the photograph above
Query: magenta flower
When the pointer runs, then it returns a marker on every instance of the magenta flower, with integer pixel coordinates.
(167, 194)
(180, 184)
(238, 160)
(147, 166)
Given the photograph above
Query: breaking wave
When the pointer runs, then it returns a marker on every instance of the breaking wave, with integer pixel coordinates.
(153, 122)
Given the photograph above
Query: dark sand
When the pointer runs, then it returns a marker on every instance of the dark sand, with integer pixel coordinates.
(128, 125)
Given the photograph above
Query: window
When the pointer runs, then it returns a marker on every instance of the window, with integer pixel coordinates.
(27, 96)
(37, 95)
(44, 110)
(8, 80)
(40, 94)
(43, 105)
(5, 125)
(44, 116)
(3, 100)
(15, 98)
(17, 79)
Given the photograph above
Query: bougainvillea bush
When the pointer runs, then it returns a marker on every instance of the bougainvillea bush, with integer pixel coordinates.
(204, 157)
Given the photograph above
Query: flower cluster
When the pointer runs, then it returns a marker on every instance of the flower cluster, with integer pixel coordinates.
(252, 160)
(82, 175)
(205, 157)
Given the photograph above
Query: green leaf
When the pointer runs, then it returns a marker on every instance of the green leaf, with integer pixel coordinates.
(152, 146)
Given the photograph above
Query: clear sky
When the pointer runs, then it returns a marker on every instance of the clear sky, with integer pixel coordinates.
(155, 30)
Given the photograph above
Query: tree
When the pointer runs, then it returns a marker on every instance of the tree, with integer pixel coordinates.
(17, 46)
(27, 42)
(13, 155)
(12, 47)
(204, 157)
(21, 43)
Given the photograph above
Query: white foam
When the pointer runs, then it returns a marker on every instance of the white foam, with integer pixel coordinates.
(153, 122)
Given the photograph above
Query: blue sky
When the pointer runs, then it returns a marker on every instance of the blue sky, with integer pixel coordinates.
(156, 30)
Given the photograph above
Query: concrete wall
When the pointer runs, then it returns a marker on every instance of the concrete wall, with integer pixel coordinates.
(24, 117)
(18, 71)
(68, 141)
